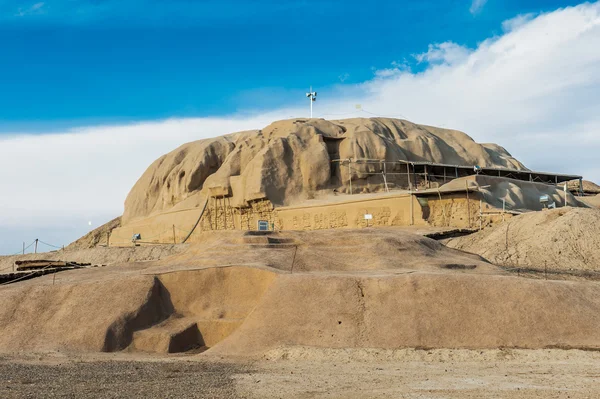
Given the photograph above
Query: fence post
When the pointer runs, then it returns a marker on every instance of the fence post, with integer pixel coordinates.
(385, 177)
(480, 215)
(36, 242)
(23, 247)
(412, 209)
(350, 174)
(468, 203)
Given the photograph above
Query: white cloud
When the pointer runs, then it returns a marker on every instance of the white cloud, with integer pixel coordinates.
(36, 8)
(444, 53)
(533, 90)
(54, 184)
(477, 6)
(516, 22)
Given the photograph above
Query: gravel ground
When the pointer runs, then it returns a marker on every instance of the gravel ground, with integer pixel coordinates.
(307, 373)
(118, 379)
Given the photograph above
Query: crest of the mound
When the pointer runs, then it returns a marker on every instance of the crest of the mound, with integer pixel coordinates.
(292, 160)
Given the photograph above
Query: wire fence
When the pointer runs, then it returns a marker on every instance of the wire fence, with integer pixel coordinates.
(35, 244)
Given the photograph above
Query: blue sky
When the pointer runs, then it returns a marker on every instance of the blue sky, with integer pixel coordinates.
(92, 92)
(71, 62)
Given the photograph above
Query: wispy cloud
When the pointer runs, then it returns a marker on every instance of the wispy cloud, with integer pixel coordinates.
(533, 90)
(517, 22)
(477, 6)
(37, 8)
(444, 53)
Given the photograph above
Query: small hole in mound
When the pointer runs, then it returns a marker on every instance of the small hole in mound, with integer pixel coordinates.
(182, 174)
(339, 322)
(455, 266)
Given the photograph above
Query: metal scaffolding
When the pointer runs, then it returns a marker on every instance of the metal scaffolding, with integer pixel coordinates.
(411, 176)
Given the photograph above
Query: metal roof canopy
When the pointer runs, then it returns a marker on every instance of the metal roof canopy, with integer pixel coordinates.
(525, 175)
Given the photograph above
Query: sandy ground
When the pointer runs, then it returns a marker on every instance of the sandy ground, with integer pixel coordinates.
(307, 373)
(560, 239)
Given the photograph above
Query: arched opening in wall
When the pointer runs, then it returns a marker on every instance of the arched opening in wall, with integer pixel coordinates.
(333, 150)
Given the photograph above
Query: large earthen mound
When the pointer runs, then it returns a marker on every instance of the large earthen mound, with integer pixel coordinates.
(291, 160)
(242, 293)
(352, 250)
(564, 238)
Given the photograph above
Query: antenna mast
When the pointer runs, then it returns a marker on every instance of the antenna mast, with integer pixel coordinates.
(312, 96)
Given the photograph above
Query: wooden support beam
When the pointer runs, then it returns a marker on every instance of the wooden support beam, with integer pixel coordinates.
(415, 177)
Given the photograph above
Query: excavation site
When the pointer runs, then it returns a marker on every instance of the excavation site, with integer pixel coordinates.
(312, 258)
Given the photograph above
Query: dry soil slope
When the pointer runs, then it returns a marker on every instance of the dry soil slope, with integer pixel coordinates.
(418, 303)
(86, 316)
(592, 200)
(564, 238)
(96, 236)
(419, 310)
(351, 250)
(290, 160)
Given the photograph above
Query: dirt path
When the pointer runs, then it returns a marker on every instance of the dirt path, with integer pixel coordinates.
(307, 373)
(430, 374)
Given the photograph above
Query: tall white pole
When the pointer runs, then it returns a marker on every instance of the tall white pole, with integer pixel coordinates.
(311, 101)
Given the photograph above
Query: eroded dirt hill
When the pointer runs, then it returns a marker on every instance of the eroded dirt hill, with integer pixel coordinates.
(291, 160)
(245, 294)
(564, 238)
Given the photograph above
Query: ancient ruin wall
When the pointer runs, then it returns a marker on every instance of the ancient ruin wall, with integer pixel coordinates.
(395, 210)
(291, 161)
